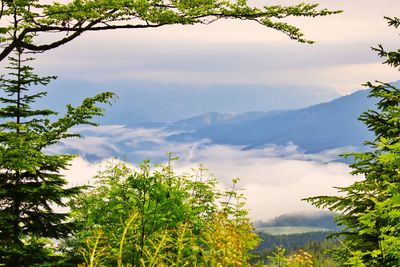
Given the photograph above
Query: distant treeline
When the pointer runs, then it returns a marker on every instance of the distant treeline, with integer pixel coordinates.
(289, 242)
(320, 220)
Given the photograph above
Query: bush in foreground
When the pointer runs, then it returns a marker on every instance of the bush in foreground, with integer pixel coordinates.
(159, 218)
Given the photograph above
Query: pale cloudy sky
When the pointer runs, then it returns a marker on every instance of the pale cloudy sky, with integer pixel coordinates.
(240, 52)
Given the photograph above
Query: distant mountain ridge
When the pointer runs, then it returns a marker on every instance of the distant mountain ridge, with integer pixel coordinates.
(147, 101)
(316, 128)
(323, 127)
(216, 118)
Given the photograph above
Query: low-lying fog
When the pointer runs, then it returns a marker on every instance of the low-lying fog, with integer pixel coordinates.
(274, 178)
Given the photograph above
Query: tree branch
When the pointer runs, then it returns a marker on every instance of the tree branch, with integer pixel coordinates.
(78, 19)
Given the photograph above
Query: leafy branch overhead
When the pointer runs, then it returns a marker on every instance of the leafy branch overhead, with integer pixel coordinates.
(23, 23)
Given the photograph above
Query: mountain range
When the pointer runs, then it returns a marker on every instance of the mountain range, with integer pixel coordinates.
(316, 128)
(313, 129)
(147, 101)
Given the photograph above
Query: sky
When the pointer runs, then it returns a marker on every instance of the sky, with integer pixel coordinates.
(239, 52)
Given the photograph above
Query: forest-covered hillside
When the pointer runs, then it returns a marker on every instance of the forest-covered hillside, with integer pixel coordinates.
(309, 237)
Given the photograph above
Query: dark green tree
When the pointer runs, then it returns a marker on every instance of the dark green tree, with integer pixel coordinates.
(370, 207)
(66, 20)
(31, 186)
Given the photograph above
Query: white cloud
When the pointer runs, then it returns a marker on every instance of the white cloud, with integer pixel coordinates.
(82, 171)
(273, 179)
(273, 184)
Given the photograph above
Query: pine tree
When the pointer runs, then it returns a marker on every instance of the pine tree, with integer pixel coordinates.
(31, 185)
(370, 207)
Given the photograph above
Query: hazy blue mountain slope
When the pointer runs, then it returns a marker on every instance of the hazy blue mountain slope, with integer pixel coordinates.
(217, 119)
(146, 101)
(320, 127)
(324, 126)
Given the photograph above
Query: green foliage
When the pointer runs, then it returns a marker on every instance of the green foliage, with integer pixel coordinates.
(314, 253)
(320, 251)
(371, 207)
(24, 22)
(30, 182)
(299, 258)
(315, 243)
(159, 218)
(278, 258)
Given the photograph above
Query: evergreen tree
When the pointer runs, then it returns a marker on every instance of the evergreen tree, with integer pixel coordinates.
(31, 185)
(371, 207)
